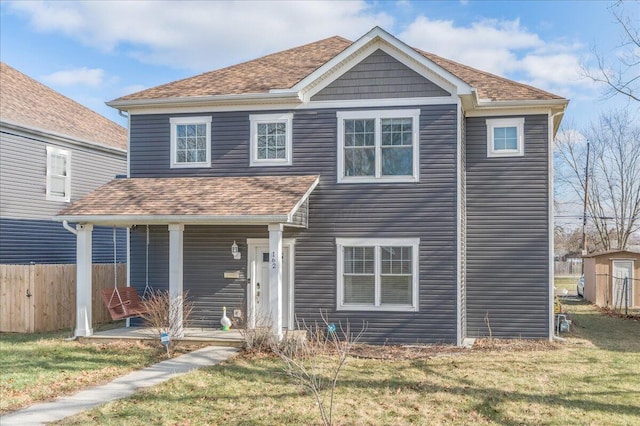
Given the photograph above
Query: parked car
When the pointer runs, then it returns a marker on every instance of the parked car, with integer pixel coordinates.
(580, 286)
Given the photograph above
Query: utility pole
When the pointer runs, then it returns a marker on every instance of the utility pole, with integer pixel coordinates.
(584, 209)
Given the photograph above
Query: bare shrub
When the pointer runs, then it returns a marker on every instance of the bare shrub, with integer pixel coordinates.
(258, 339)
(162, 312)
(315, 355)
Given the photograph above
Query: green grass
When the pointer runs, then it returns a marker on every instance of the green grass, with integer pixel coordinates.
(37, 367)
(568, 283)
(590, 379)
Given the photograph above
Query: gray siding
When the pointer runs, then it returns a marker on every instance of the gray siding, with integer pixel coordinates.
(507, 234)
(44, 241)
(376, 77)
(27, 230)
(23, 172)
(425, 210)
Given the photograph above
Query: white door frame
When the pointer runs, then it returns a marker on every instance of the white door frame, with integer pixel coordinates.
(631, 294)
(252, 244)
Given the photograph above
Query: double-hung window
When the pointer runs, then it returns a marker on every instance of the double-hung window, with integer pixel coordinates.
(190, 142)
(271, 139)
(505, 137)
(380, 274)
(378, 146)
(58, 174)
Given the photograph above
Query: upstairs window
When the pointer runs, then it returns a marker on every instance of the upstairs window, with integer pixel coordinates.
(58, 174)
(271, 139)
(190, 142)
(505, 137)
(378, 146)
(377, 274)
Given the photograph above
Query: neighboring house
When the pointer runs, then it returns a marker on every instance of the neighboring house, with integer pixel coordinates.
(367, 179)
(612, 278)
(52, 152)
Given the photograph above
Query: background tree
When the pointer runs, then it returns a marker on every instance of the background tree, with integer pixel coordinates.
(620, 70)
(613, 202)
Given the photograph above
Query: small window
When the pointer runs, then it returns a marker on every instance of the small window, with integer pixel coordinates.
(190, 142)
(271, 140)
(378, 146)
(505, 137)
(379, 274)
(58, 174)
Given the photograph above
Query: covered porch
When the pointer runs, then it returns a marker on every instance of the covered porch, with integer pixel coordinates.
(272, 202)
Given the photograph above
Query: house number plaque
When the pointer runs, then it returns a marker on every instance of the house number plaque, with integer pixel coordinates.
(274, 260)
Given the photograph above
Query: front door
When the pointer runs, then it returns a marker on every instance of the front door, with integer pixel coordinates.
(258, 305)
(622, 282)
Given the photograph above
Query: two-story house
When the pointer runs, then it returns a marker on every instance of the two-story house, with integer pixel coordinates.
(367, 179)
(52, 152)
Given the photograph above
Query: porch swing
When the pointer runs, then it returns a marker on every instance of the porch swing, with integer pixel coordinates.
(124, 302)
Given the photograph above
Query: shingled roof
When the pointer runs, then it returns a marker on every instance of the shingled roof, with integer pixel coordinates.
(284, 69)
(213, 198)
(28, 103)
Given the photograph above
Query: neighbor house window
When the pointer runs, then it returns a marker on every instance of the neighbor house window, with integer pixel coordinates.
(58, 174)
(190, 141)
(380, 274)
(378, 146)
(271, 139)
(505, 137)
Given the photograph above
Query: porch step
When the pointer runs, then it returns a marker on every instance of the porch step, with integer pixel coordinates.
(211, 337)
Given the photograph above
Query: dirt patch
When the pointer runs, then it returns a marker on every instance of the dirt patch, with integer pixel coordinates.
(633, 314)
(410, 352)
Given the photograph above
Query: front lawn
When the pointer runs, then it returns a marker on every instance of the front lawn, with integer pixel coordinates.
(566, 283)
(590, 379)
(37, 367)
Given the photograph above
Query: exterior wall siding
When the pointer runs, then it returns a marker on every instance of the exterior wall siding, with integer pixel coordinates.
(28, 232)
(507, 234)
(379, 76)
(45, 241)
(426, 210)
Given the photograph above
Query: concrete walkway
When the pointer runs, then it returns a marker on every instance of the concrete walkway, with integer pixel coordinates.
(119, 388)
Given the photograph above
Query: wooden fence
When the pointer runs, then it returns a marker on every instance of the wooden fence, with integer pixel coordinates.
(35, 298)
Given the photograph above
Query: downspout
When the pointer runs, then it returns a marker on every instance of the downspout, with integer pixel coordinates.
(71, 229)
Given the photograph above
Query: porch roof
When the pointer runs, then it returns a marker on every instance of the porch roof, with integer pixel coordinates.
(194, 200)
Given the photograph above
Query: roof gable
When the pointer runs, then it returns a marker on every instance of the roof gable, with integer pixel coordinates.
(379, 75)
(378, 39)
(28, 103)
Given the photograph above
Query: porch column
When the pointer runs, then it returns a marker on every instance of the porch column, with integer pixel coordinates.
(176, 245)
(275, 277)
(84, 325)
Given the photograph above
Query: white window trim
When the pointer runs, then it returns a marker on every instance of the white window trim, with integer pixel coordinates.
(378, 115)
(518, 123)
(256, 119)
(67, 184)
(377, 243)
(190, 120)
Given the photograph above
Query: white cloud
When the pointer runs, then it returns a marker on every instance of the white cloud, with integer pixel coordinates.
(505, 48)
(201, 35)
(93, 77)
(570, 136)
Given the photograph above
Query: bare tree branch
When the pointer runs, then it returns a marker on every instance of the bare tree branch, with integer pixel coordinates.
(613, 203)
(623, 79)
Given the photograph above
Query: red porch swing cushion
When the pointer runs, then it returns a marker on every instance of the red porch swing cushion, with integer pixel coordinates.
(123, 302)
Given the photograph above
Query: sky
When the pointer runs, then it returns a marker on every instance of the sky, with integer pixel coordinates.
(96, 51)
